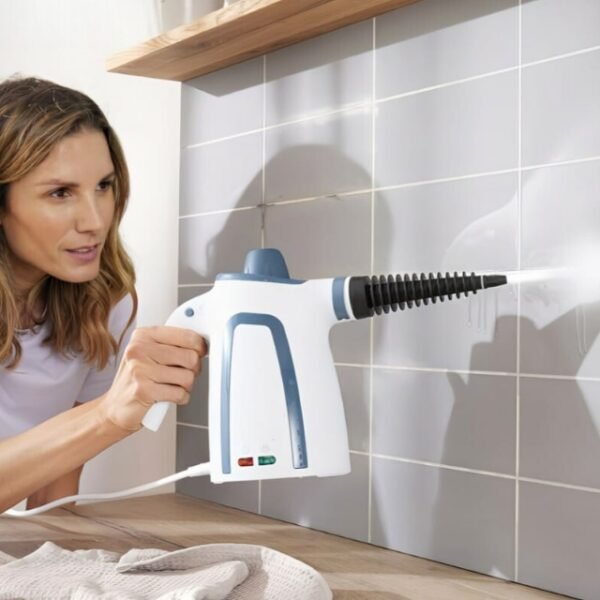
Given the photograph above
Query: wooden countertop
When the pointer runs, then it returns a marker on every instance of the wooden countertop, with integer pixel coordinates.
(354, 571)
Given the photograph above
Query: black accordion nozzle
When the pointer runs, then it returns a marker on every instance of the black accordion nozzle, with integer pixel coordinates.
(380, 294)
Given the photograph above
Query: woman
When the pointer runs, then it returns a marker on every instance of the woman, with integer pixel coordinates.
(75, 377)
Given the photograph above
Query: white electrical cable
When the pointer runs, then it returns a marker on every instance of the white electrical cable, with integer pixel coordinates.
(193, 471)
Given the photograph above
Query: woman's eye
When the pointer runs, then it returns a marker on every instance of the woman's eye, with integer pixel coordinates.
(58, 193)
(106, 184)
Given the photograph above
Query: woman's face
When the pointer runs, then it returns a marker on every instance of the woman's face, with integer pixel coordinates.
(58, 216)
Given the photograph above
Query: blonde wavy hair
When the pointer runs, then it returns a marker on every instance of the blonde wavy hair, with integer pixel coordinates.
(35, 114)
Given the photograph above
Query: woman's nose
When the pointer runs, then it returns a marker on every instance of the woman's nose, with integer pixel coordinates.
(89, 217)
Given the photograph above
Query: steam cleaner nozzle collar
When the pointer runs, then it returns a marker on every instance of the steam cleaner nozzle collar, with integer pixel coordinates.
(379, 294)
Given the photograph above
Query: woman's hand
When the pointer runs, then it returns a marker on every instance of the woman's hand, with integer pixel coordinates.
(159, 363)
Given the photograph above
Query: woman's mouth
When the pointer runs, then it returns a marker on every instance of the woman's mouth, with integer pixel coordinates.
(84, 253)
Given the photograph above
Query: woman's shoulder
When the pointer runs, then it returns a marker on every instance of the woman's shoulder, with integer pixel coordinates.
(120, 314)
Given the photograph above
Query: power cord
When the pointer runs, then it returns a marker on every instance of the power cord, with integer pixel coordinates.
(193, 471)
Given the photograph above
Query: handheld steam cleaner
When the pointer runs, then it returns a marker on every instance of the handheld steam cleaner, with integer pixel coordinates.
(275, 406)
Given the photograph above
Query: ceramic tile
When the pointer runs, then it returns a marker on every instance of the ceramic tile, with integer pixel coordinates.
(561, 228)
(445, 515)
(558, 539)
(326, 155)
(560, 118)
(322, 74)
(314, 501)
(221, 176)
(553, 27)
(447, 132)
(436, 41)
(477, 333)
(466, 225)
(223, 103)
(339, 243)
(560, 425)
(448, 418)
(217, 243)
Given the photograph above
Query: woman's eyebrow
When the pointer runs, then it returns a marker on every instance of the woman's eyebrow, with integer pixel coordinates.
(69, 183)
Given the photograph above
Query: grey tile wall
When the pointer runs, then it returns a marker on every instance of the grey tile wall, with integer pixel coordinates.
(445, 418)
(223, 104)
(560, 109)
(231, 175)
(559, 430)
(334, 504)
(417, 142)
(455, 517)
(550, 31)
(327, 155)
(320, 75)
(447, 132)
(434, 42)
(558, 539)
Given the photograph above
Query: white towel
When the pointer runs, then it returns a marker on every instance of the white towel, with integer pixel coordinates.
(209, 572)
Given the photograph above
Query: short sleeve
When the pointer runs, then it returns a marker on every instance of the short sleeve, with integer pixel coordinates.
(97, 382)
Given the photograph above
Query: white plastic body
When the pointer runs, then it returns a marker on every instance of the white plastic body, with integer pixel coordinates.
(258, 418)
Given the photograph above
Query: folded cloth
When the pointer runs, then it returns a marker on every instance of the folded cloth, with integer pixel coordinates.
(208, 572)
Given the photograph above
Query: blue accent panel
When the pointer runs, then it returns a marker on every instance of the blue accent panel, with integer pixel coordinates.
(266, 261)
(339, 305)
(263, 264)
(290, 386)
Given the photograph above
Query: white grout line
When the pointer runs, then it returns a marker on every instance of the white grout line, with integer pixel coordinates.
(561, 377)
(314, 117)
(372, 267)
(370, 454)
(573, 378)
(558, 484)
(516, 170)
(426, 369)
(542, 61)
(560, 163)
(367, 104)
(425, 463)
(447, 84)
(218, 212)
(184, 424)
(263, 192)
(518, 291)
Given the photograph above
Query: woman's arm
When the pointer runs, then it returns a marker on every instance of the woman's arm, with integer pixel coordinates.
(37, 457)
(67, 485)
(158, 363)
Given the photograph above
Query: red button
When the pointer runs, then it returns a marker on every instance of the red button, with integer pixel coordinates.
(246, 462)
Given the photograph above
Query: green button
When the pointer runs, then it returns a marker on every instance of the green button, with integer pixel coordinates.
(266, 460)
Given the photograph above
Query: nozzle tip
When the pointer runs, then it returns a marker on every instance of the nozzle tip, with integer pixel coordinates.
(494, 280)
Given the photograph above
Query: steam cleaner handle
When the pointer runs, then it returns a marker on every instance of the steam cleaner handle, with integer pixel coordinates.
(187, 317)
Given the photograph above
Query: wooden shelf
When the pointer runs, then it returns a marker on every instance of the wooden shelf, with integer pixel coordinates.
(243, 30)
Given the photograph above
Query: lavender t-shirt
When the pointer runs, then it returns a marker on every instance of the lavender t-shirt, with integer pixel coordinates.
(45, 383)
